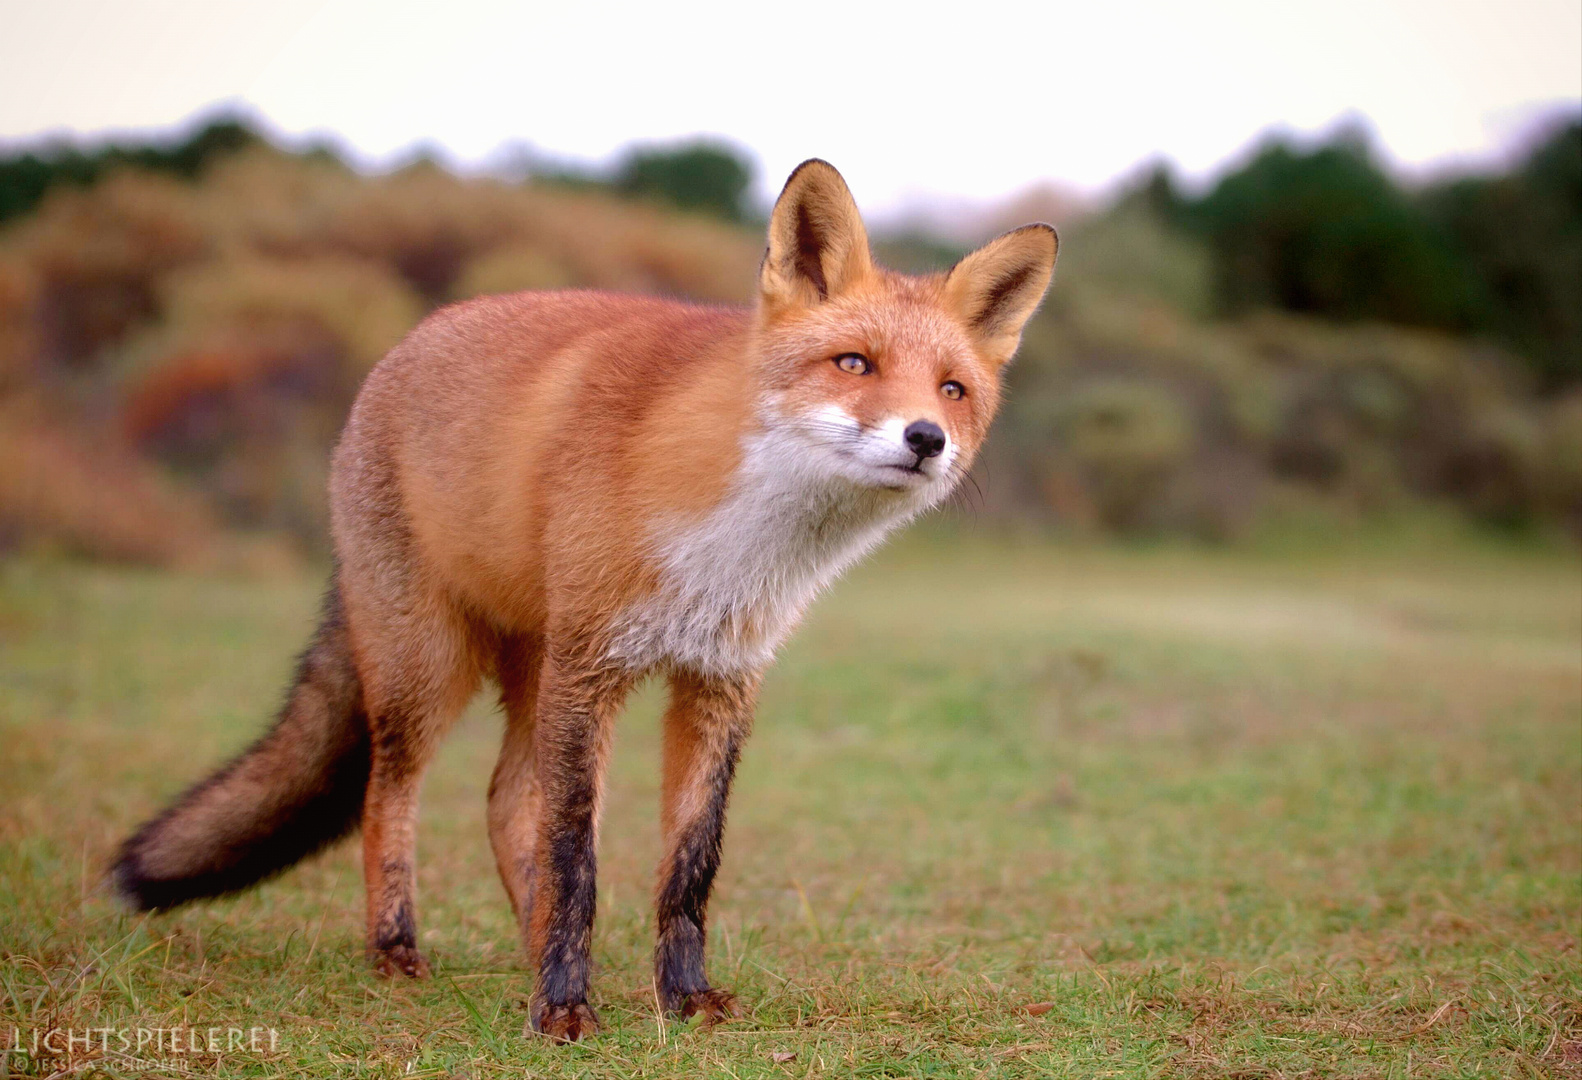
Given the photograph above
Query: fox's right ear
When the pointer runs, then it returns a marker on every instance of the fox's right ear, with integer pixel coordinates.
(817, 244)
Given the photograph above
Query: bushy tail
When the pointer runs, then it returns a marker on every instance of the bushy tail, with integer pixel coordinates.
(294, 791)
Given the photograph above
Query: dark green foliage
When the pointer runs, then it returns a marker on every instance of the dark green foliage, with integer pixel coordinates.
(703, 176)
(708, 177)
(26, 176)
(1520, 237)
(1328, 232)
(1158, 193)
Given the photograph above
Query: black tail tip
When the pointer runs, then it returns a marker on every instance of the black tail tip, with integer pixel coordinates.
(127, 883)
(139, 892)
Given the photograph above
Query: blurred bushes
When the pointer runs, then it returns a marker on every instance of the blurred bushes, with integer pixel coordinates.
(97, 256)
(71, 489)
(1133, 251)
(1129, 440)
(1563, 460)
(177, 354)
(1125, 415)
(214, 332)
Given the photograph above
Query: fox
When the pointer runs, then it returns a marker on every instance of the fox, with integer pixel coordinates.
(564, 493)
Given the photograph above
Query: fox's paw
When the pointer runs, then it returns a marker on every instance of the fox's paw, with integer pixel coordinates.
(563, 1023)
(400, 961)
(715, 1006)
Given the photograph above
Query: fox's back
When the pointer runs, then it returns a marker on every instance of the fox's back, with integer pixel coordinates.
(507, 426)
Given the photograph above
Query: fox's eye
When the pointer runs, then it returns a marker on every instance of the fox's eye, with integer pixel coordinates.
(851, 362)
(953, 390)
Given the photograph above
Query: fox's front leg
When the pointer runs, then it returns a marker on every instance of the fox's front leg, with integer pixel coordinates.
(704, 728)
(577, 700)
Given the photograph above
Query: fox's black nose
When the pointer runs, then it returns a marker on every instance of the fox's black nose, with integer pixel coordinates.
(926, 438)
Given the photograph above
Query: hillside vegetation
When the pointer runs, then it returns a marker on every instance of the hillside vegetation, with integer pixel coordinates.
(179, 345)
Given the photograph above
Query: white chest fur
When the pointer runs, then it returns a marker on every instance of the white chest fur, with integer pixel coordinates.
(735, 584)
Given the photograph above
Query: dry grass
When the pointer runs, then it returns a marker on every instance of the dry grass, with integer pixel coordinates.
(1010, 811)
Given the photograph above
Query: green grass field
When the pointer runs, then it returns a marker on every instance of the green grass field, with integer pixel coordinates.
(1010, 810)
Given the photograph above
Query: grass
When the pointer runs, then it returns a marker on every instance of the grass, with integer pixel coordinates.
(1011, 810)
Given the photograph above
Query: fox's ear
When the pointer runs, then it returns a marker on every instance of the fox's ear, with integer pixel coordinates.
(996, 289)
(817, 244)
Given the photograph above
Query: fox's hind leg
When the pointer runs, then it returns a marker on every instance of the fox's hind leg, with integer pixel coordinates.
(419, 667)
(513, 790)
(704, 728)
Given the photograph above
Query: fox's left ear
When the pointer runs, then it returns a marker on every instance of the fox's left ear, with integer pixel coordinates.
(817, 244)
(996, 289)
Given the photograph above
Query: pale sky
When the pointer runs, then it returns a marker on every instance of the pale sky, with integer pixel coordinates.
(975, 99)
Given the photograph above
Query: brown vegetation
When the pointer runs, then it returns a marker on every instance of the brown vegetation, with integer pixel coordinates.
(218, 331)
(201, 341)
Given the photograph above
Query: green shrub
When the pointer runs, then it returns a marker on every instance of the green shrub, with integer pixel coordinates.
(1562, 459)
(708, 177)
(1132, 252)
(1130, 440)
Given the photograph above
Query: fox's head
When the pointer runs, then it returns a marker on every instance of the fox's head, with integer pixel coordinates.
(885, 381)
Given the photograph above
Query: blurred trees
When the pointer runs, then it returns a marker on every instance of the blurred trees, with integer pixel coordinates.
(1520, 239)
(26, 176)
(700, 176)
(1327, 232)
(706, 177)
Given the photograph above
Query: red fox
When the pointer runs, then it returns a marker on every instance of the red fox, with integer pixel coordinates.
(564, 492)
